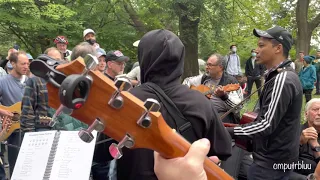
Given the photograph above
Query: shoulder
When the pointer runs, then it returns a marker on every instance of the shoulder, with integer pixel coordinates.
(193, 80)
(289, 80)
(31, 80)
(5, 79)
(230, 79)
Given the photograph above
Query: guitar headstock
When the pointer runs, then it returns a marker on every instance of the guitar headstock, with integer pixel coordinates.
(110, 109)
(45, 120)
(117, 113)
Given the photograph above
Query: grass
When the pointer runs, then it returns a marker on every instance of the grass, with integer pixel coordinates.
(249, 105)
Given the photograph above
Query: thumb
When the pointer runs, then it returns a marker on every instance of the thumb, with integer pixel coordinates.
(198, 152)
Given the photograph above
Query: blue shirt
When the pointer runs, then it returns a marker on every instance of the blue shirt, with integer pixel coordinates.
(11, 90)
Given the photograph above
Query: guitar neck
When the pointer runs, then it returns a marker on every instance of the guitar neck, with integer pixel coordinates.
(177, 146)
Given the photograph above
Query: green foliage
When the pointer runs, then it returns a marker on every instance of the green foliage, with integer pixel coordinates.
(34, 24)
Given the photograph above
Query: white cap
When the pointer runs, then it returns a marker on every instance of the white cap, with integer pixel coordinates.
(135, 44)
(87, 31)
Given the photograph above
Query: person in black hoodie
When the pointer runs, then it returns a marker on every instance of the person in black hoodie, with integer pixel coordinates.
(254, 72)
(161, 58)
(275, 131)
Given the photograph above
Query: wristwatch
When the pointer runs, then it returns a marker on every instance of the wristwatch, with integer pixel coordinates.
(316, 149)
(311, 177)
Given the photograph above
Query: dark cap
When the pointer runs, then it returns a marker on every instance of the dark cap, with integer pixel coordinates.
(309, 59)
(278, 33)
(116, 56)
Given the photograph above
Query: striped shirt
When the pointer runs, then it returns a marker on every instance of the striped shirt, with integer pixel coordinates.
(34, 103)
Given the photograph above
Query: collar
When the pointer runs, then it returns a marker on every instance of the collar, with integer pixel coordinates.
(109, 76)
(273, 69)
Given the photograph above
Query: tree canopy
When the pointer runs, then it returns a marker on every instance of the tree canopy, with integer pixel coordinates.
(204, 26)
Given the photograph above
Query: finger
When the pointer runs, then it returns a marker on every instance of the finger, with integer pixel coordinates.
(198, 152)
(215, 159)
(311, 129)
(311, 134)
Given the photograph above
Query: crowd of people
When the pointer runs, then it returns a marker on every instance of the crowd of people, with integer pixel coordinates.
(274, 136)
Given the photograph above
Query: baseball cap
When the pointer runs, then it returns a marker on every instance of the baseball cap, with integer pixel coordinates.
(9, 65)
(29, 56)
(101, 52)
(116, 56)
(87, 31)
(278, 33)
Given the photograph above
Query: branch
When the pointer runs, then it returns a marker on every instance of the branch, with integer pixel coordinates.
(134, 17)
(314, 23)
(20, 37)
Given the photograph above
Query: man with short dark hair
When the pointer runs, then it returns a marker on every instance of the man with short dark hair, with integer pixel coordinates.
(11, 92)
(254, 72)
(275, 131)
(298, 63)
(233, 64)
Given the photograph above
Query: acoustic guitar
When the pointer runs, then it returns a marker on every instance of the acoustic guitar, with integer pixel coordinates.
(247, 117)
(207, 91)
(9, 125)
(127, 123)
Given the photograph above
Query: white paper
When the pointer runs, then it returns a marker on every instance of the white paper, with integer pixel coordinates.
(73, 158)
(33, 156)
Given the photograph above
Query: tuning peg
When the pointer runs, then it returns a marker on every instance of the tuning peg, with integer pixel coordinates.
(91, 63)
(86, 134)
(61, 109)
(151, 105)
(116, 149)
(122, 84)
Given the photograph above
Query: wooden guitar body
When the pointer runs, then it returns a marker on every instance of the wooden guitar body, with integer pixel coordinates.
(209, 91)
(122, 122)
(9, 125)
(247, 117)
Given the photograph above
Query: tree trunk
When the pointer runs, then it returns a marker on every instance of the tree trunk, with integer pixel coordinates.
(189, 18)
(305, 28)
(189, 37)
(137, 23)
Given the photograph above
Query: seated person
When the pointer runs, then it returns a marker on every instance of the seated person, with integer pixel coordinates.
(309, 152)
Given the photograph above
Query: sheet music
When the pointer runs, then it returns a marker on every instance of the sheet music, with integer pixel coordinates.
(73, 158)
(33, 156)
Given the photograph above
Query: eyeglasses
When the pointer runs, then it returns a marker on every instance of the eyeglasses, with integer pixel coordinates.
(119, 63)
(211, 65)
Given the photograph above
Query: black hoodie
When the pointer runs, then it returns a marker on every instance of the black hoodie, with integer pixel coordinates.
(161, 58)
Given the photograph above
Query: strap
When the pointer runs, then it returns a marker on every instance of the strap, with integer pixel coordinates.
(280, 70)
(227, 62)
(183, 126)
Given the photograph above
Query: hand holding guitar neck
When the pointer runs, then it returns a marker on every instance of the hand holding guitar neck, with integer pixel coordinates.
(107, 107)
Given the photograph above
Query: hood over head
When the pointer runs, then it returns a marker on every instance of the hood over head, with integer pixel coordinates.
(161, 58)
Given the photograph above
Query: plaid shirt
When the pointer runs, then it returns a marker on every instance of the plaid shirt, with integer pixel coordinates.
(34, 103)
